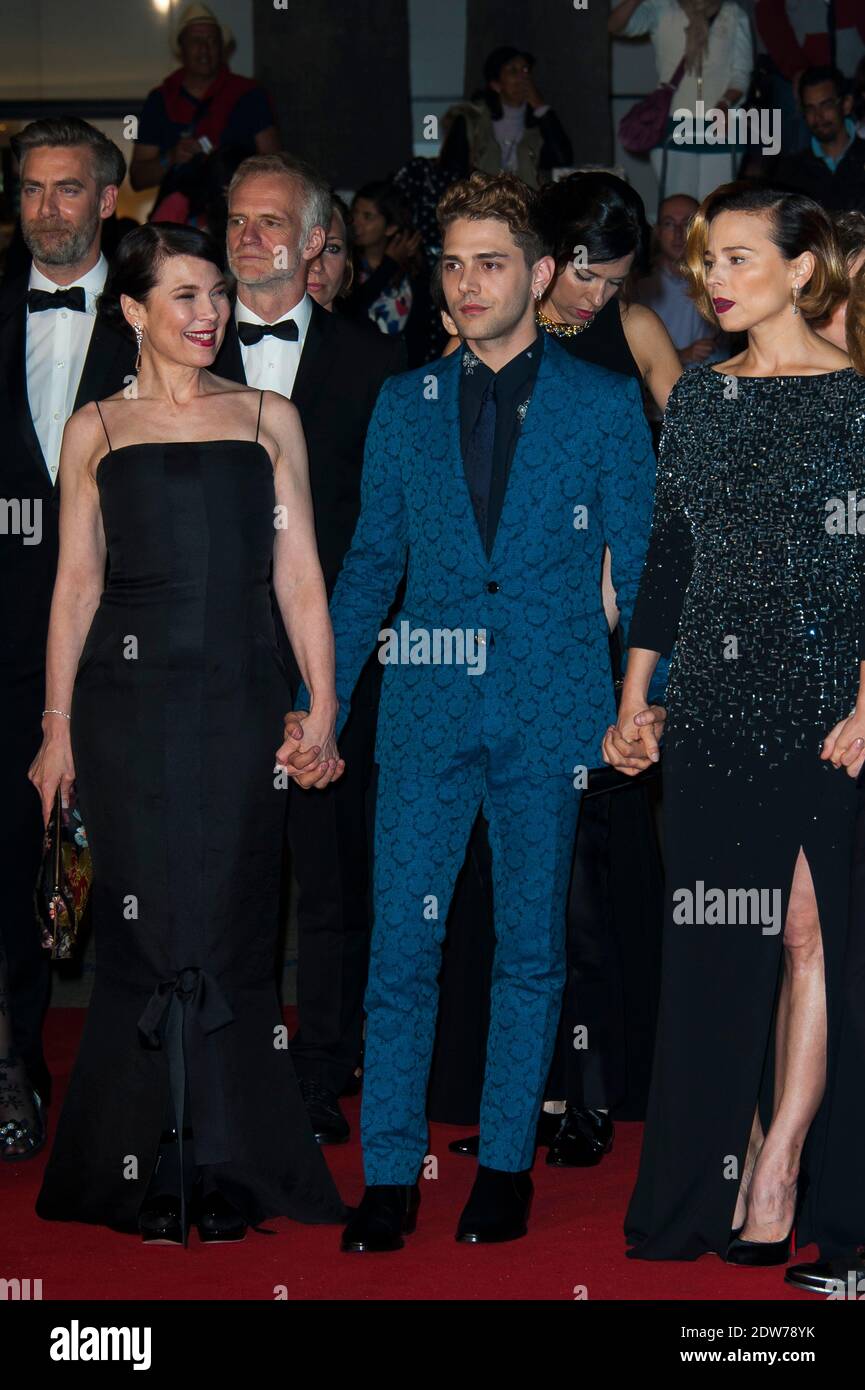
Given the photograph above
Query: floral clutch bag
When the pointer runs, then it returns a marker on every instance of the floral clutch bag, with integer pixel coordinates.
(63, 885)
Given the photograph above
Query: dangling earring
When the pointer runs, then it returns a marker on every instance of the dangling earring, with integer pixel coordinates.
(796, 298)
(139, 335)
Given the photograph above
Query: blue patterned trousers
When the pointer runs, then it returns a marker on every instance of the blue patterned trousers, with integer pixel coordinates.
(422, 829)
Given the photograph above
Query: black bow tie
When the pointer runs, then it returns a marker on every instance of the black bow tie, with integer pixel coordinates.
(250, 333)
(37, 300)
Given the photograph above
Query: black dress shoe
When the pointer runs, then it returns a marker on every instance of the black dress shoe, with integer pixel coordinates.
(329, 1125)
(584, 1137)
(497, 1209)
(386, 1213)
(159, 1220)
(841, 1277)
(218, 1220)
(548, 1128)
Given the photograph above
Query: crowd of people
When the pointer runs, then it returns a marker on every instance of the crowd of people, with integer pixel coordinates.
(273, 431)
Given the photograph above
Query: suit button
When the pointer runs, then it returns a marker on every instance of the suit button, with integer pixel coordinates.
(492, 587)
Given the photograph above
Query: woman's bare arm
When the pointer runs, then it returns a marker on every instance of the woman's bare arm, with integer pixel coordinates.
(77, 590)
(652, 350)
(299, 584)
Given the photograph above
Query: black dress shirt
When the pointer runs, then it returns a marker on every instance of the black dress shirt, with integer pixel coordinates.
(514, 384)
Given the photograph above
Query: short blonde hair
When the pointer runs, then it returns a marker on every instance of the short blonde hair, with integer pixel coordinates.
(798, 224)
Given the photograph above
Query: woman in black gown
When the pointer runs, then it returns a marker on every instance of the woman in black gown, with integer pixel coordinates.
(196, 492)
(761, 592)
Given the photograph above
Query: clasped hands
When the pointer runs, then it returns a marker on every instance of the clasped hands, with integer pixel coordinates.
(309, 753)
(631, 745)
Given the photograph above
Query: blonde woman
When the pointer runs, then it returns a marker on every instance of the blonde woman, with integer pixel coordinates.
(754, 574)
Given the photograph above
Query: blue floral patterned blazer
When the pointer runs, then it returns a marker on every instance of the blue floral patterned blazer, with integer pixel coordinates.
(582, 474)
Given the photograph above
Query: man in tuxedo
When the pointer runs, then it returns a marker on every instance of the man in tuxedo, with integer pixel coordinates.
(281, 340)
(55, 356)
(499, 473)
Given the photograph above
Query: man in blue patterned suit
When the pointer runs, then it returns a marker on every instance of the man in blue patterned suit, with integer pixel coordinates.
(498, 474)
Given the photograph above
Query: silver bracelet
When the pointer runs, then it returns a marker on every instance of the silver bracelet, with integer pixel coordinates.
(56, 711)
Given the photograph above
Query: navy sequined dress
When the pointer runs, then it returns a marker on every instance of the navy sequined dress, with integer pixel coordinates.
(754, 574)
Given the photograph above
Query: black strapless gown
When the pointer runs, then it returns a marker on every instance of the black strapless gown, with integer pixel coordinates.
(176, 717)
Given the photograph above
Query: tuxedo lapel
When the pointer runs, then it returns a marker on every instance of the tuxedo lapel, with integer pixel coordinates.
(229, 359)
(313, 364)
(13, 363)
(101, 375)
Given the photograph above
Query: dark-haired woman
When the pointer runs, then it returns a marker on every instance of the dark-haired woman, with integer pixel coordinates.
(164, 702)
(596, 225)
(755, 574)
(391, 280)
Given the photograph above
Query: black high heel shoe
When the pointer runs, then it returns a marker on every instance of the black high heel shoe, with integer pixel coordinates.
(159, 1221)
(218, 1221)
(162, 1218)
(759, 1254)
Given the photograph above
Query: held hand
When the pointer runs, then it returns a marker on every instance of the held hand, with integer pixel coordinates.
(52, 768)
(844, 746)
(312, 761)
(632, 745)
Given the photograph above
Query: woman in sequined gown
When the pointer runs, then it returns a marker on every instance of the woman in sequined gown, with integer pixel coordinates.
(754, 578)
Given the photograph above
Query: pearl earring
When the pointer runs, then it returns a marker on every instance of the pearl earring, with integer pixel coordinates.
(796, 297)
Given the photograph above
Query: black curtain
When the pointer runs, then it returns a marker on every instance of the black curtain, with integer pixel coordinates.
(338, 74)
(572, 49)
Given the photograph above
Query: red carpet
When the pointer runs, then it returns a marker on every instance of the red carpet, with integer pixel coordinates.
(575, 1240)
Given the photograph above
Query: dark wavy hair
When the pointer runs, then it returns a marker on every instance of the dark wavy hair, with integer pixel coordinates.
(597, 211)
(135, 267)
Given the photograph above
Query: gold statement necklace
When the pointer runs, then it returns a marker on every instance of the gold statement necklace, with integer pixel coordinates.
(563, 330)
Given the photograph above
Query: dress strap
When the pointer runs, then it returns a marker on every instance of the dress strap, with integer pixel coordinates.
(99, 413)
(260, 404)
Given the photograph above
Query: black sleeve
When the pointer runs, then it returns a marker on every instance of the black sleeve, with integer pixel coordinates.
(670, 556)
(557, 150)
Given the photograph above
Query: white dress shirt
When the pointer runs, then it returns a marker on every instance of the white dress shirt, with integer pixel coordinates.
(57, 342)
(272, 364)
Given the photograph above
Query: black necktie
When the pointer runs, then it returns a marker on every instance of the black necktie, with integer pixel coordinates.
(37, 300)
(478, 461)
(250, 333)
